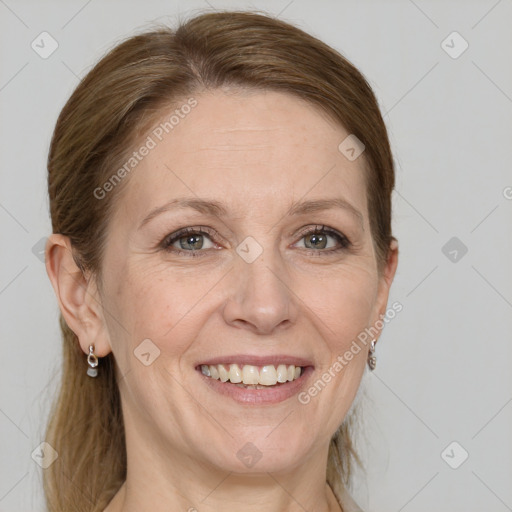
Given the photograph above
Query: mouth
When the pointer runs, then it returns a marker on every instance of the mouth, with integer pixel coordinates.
(265, 382)
(255, 377)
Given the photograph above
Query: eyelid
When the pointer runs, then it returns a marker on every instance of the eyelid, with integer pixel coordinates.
(170, 239)
(317, 228)
(343, 240)
(189, 230)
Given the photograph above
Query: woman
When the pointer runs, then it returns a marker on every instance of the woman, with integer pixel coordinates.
(221, 208)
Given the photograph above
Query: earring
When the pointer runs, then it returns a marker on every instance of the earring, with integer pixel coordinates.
(372, 360)
(92, 361)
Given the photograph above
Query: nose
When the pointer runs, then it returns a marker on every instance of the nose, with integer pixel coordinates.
(261, 301)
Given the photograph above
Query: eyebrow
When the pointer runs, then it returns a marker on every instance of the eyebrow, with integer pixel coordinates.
(325, 204)
(216, 209)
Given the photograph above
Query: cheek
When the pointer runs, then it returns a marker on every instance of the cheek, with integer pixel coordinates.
(157, 304)
(343, 301)
(343, 308)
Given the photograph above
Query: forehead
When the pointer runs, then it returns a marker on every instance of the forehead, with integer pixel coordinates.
(250, 149)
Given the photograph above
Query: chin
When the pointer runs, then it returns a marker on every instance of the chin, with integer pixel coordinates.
(263, 451)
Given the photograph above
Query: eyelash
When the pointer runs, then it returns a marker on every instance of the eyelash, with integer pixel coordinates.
(169, 240)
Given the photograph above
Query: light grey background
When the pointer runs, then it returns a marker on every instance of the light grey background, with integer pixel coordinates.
(443, 370)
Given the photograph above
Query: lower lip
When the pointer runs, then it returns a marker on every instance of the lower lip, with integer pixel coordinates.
(272, 395)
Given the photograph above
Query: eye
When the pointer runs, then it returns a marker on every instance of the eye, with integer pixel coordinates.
(189, 240)
(322, 239)
(197, 241)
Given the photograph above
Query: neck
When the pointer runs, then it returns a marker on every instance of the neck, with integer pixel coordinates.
(162, 476)
(232, 494)
(158, 482)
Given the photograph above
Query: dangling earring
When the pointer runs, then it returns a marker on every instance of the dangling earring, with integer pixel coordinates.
(372, 360)
(92, 361)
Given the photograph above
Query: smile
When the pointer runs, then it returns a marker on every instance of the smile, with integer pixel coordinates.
(256, 377)
(256, 380)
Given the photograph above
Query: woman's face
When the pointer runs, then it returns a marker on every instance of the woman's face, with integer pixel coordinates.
(276, 269)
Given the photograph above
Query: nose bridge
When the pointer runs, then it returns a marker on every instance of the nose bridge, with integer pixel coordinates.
(261, 298)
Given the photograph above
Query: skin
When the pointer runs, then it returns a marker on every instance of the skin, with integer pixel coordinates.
(257, 153)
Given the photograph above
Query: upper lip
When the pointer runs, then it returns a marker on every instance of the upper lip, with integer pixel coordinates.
(259, 360)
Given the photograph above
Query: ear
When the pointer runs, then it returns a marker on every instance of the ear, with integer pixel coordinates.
(78, 296)
(385, 280)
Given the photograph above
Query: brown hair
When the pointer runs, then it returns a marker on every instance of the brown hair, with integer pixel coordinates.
(104, 117)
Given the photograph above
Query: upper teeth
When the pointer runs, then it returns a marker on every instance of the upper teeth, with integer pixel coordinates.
(266, 375)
